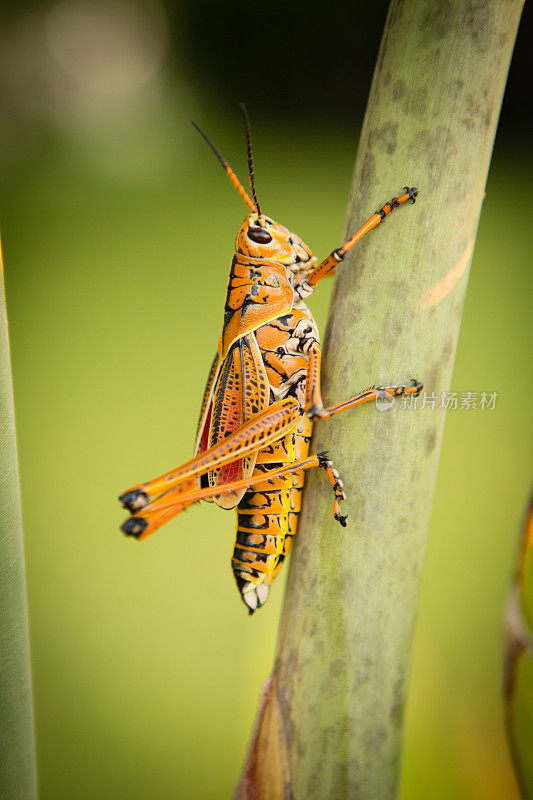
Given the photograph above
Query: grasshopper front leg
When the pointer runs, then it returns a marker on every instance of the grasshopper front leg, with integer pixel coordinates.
(328, 265)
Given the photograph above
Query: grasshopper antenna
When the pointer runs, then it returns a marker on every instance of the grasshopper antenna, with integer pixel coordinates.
(246, 118)
(227, 169)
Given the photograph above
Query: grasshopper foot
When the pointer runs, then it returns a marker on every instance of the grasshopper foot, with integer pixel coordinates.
(134, 500)
(412, 191)
(134, 526)
(418, 385)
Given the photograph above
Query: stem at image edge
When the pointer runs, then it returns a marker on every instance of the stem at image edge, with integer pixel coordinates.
(17, 750)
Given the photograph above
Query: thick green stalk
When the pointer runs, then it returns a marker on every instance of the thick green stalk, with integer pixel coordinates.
(330, 724)
(17, 751)
(518, 672)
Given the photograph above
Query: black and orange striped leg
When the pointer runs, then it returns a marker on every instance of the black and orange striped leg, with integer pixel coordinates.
(159, 511)
(414, 388)
(337, 486)
(328, 265)
(314, 406)
(261, 430)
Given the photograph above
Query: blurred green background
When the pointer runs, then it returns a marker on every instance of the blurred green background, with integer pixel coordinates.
(117, 228)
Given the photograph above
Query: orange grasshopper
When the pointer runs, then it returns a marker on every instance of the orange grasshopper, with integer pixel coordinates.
(261, 399)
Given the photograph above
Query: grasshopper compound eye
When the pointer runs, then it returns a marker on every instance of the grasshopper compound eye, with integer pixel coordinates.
(259, 235)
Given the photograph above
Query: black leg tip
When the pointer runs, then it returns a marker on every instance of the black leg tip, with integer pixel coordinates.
(412, 191)
(341, 519)
(323, 460)
(134, 526)
(419, 386)
(134, 500)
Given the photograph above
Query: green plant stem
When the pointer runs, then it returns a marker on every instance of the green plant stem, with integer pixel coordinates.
(17, 751)
(330, 722)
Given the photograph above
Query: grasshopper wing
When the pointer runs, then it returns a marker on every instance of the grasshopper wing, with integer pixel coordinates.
(241, 389)
(204, 420)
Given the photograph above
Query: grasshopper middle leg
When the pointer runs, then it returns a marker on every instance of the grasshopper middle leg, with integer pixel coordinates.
(313, 397)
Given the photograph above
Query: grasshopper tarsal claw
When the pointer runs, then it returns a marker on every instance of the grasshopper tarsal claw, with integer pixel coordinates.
(418, 385)
(342, 519)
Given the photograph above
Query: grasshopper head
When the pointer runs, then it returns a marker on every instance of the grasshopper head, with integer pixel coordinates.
(262, 237)
(259, 236)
